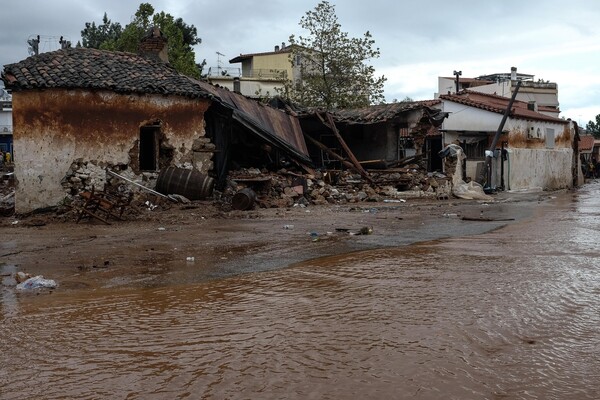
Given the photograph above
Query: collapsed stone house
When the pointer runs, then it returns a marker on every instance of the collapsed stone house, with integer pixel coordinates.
(388, 133)
(80, 112)
(379, 136)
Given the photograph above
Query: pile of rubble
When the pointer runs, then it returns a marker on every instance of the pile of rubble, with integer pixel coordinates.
(7, 190)
(286, 189)
(262, 188)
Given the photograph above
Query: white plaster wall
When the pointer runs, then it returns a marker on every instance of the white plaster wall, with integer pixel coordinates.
(539, 168)
(499, 89)
(445, 85)
(250, 87)
(40, 168)
(467, 118)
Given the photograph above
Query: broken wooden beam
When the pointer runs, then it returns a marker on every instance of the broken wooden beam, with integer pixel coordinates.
(331, 124)
(329, 151)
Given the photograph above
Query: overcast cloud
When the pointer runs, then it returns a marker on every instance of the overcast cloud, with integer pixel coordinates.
(554, 40)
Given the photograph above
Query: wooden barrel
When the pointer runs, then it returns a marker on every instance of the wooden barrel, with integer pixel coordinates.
(243, 200)
(186, 182)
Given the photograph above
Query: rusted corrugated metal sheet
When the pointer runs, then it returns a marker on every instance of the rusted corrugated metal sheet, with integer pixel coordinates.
(275, 126)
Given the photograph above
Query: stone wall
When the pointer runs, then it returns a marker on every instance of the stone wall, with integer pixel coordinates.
(64, 139)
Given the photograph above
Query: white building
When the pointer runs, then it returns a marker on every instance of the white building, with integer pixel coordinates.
(541, 94)
(538, 148)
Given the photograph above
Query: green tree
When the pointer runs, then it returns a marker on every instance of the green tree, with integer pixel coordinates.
(136, 29)
(594, 127)
(332, 67)
(106, 34)
(181, 37)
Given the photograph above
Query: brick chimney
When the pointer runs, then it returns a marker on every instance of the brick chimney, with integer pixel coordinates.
(154, 45)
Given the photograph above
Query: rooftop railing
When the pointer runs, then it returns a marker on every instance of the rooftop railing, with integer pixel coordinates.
(274, 74)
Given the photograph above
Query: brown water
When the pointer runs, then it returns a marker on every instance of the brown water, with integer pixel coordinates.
(511, 314)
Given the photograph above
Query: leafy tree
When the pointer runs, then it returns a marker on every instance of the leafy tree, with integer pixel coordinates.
(105, 34)
(332, 66)
(181, 37)
(594, 127)
(181, 53)
(136, 29)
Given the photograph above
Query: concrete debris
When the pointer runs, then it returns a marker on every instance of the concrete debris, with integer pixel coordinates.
(249, 188)
(285, 188)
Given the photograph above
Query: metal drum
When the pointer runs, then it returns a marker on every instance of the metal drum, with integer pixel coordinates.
(243, 200)
(185, 182)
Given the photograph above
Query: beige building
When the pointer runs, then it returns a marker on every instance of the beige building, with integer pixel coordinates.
(260, 74)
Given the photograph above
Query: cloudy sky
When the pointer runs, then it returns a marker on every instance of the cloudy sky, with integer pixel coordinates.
(554, 40)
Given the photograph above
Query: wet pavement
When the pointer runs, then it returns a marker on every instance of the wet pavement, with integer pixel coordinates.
(512, 313)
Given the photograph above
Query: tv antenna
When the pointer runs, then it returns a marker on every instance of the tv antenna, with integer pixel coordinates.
(219, 63)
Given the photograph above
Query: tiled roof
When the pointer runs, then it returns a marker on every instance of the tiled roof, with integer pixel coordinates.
(99, 69)
(498, 104)
(380, 112)
(586, 143)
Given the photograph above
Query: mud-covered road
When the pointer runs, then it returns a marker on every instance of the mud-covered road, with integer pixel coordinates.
(155, 249)
(429, 305)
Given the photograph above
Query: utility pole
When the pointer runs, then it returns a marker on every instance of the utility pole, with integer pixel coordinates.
(487, 171)
(457, 74)
(34, 45)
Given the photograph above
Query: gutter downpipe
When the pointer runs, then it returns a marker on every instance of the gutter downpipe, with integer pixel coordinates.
(490, 152)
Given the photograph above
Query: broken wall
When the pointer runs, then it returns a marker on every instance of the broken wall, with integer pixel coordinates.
(540, 155)
(55, 128)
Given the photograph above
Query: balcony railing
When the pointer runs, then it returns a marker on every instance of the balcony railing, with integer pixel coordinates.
(226, 72)
(271, 74)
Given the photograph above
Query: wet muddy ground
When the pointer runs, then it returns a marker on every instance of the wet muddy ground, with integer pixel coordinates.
(266, 312)
(157, 248)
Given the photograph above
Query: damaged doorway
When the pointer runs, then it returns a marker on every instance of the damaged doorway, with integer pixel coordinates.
(149, 147)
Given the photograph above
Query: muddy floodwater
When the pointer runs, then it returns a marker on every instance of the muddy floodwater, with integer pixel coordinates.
(510, 314)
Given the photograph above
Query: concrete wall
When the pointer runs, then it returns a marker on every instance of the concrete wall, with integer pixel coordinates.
(539, 168)
(466, 118)
(250, 87)
(55, 128)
